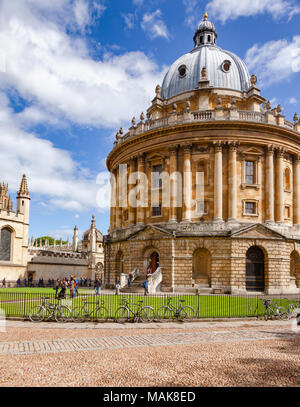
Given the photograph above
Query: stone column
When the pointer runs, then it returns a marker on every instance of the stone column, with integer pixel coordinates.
(142, 188)
(118, 202)
(113, 192)
(131, 209)
(218, 181)
(269, 188)
(187, 183)
(173, 185)
(279, 197)
(232, 183)
(296, 190)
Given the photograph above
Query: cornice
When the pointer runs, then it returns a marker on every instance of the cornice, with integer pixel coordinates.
(222, 125)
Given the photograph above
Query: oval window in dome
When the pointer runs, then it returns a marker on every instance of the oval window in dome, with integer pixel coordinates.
(182, 71)
(226, 66)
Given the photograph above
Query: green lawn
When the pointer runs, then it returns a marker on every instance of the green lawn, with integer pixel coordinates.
(17, 302)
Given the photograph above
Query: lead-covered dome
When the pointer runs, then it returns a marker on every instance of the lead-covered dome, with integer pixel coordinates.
(224, 68)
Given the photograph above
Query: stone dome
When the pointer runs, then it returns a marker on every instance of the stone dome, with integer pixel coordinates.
(224, 69)
(99, 235)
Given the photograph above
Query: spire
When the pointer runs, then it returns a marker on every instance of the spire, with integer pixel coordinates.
(23, 191)
(205, 17)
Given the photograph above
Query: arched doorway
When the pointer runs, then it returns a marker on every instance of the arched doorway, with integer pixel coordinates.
(201, 266)
(255, 269)
(154, 261)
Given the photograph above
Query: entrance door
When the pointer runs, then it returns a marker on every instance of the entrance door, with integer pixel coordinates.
(154, 261)
(255, 269)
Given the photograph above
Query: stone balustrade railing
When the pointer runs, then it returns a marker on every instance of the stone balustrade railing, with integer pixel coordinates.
(209, 115)
(154, 280)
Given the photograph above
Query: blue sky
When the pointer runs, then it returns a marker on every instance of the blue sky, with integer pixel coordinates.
(73, 71)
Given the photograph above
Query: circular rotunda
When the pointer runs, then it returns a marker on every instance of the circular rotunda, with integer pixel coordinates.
(206, 187)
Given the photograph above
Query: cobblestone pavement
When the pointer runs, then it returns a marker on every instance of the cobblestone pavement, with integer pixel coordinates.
(262, 332)
(218, 353)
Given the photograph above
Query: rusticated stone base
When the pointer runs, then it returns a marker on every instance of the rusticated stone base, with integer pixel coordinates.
(226, 264)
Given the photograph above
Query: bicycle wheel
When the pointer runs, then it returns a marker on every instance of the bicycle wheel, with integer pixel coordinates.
(62, 314)
(163, 314)
(101, 314)
(37, 314)
(283, 313)
(122, 315)
(146, 314)
(187, 313)
(78, 314)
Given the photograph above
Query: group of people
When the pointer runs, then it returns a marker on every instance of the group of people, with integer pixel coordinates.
(64, 284)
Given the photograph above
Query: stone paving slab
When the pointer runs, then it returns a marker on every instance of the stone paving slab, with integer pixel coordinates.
(145, 340)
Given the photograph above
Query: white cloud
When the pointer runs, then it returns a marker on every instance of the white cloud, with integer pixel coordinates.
(51, 172)
(192, 12)
(293, 101)
(62, 80)
(129, 20)
(153, 24)
(52, 70)
(224, 10)
(274, 60)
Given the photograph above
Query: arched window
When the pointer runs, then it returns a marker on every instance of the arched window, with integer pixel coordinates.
(287, 179)
(5, 244)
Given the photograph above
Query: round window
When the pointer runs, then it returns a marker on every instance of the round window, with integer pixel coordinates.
(226, 66)
(182, 71)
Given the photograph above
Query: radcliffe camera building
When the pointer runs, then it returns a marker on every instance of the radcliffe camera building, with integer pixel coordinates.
(244, 234)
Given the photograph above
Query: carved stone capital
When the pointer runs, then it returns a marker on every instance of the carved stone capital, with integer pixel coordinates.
(218, 145)
(280, 152)
(187, 148)
(270, 149)
(173, 150)
(233, 145)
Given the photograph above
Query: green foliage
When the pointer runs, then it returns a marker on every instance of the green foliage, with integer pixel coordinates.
(51, 240)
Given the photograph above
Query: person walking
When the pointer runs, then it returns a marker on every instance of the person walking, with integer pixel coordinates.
(100, 284)
(118, 285)
(71, 287)
(96, 286)
(19, 282)
(57, 287)
(129, 280)
(76, 283)
(62, 293)
(4, 283)
(145, 285)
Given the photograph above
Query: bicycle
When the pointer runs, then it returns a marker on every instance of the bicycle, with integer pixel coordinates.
(168, 312)
(272, 309)
(99, 312)
(143, 313)
(48, 310)
(294, 309)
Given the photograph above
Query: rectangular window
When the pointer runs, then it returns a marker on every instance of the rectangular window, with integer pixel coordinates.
(250, 208)
(287, 212)
(157, 176)
(249, 172)
(201, 207)
(156, 211)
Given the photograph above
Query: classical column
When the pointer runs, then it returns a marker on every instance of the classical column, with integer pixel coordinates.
(269, 189)
(173, 185)
(132, 200)
(279, 196)
(296, 190)
(218, 183)
(113, 199)
(187, 183)
(142, 189)
(232, 183)
(118, 201)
